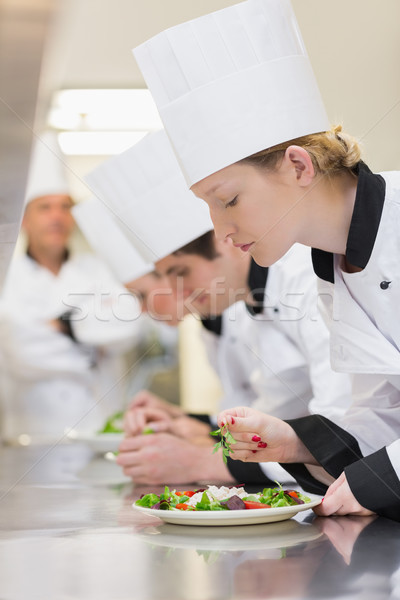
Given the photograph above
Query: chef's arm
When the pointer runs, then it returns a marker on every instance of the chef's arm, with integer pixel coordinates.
(110, 320)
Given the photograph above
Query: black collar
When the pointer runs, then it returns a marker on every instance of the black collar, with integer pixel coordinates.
(213, 324)
(257, 280)
(364, 225)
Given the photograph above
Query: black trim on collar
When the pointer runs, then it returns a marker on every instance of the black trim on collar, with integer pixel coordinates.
(213, 324)
(257, 280)
(368, 207)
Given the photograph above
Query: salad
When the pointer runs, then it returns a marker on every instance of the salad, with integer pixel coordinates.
(115, 425)
(222, 498)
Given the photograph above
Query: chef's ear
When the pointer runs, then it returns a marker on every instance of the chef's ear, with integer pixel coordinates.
(298, 158)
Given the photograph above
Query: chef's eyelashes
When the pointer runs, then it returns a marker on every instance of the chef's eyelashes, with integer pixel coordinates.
(232, 202)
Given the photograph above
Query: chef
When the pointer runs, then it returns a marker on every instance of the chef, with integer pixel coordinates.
(65, 321)
(274, 355)
(242, 109)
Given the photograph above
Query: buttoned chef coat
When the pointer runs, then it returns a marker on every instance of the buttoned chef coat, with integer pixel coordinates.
(52, 381)
(274, 356)
(362, 312)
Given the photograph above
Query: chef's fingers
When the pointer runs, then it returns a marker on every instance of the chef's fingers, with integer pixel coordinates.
(339, 500)
(251, 440)
(133, 443)
(134, 421)
(139, 419)
(254, 422)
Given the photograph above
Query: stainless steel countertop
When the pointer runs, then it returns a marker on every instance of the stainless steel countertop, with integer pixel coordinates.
(68, 531)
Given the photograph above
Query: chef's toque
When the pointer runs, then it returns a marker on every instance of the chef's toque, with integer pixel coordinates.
(47, 170)
(145, 188)
(107, 239)
(232, 83)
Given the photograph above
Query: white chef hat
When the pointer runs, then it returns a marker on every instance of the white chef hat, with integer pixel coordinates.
(232, 83)
(145, 188)
(107, 239)
(47, 170)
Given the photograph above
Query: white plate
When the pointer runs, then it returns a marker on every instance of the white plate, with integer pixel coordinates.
(98, 442)
(229, 517)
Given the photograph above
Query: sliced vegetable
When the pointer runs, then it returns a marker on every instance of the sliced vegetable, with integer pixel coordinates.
(182, 506)
(249, 504)
(234, 503)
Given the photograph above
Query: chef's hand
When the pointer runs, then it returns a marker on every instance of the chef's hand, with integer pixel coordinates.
(186, 427)
(139, 419)
(263, 438)
(339, 500)
(161, 457)
(146, 407)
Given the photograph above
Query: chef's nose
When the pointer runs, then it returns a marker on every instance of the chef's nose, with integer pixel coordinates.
(222, 227)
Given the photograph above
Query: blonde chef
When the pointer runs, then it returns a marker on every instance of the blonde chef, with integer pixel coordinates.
(239, 101)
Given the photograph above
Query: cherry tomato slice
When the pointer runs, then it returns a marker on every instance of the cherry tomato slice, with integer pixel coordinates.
(249, 504)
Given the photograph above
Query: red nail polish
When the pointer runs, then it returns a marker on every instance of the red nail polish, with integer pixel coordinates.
(256, 438)
(262, 445)
(233, 420)
(254, 451)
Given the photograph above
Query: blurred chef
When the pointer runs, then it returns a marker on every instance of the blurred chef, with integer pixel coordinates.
(65, 321)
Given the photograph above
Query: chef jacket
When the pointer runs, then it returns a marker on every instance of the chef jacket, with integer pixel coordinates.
(273, 355)
(54, 381)
(361, 310)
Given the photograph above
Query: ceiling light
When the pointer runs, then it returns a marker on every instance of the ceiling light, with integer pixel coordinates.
(98, 143)
(104, 110)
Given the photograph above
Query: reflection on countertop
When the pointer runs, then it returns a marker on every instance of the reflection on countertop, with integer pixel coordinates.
(68, 531)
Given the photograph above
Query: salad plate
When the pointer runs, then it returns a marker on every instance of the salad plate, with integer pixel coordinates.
(100, 443)
(229, 517)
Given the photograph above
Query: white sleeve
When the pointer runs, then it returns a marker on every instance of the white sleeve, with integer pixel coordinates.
(33, 349)
(374, 416)
(106, 316)
(275, 472)
(331, 390)
(393, 451)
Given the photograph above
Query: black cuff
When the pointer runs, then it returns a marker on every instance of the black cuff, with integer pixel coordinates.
(201, 417)
(375, 484)
(249, 473)
(65, 322)
(329, 444)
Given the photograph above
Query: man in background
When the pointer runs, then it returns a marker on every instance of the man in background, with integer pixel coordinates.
(64, 320)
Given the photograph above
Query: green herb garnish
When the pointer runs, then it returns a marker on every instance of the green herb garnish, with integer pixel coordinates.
(225, 442)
